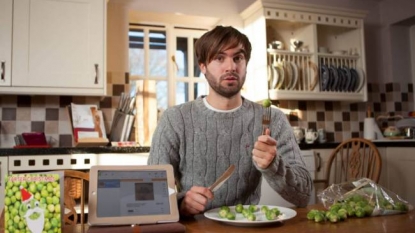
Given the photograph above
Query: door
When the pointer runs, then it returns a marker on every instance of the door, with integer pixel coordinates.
(59, 43)
(6, 7)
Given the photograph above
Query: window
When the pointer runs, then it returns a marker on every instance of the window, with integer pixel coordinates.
(164, 67)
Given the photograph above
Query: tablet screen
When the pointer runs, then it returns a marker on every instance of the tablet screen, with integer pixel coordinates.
(132, 193)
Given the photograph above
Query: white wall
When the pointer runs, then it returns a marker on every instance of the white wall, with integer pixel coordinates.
(117, 38)
(395, 40)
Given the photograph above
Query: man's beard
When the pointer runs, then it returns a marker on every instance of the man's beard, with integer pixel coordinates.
(227, 91)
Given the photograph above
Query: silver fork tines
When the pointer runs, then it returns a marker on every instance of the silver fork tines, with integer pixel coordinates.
(266, 119)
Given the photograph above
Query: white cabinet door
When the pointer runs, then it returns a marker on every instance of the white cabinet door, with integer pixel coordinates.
(400, 172)
(59, 44)
(5, 41)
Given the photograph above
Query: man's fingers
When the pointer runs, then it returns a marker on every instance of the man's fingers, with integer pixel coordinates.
(195, 200)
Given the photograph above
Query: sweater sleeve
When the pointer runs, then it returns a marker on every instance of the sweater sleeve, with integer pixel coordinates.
(165, 145)
(288, 174)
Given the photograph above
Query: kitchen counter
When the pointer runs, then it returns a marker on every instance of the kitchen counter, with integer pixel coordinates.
(72, 150)
(122, 150)
(379, 143)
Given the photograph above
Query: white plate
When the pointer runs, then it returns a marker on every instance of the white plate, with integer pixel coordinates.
(314, 79)
(281, 75)
(294, 78)
(362, 78)
(261, 220)
(275, 77)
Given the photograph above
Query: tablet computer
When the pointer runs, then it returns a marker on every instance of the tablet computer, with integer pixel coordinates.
(127, 195)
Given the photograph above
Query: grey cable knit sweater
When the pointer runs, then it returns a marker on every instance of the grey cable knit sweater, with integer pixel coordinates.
(201, 144)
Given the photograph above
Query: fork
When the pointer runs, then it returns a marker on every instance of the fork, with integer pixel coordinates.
(266, 119)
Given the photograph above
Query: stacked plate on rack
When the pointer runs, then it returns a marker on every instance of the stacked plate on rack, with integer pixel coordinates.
(341, 79)
(283, 75)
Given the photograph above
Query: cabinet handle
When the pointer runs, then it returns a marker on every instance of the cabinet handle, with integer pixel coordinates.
(96, 74)
(3, 70)
(318, 162)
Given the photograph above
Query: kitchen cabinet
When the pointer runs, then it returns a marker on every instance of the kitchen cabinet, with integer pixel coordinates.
(5, 41)
(320, 56)
(57, 47)
(400, 163)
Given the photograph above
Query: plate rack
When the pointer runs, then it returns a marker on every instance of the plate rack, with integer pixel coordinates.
(338, 61)
(291, 71)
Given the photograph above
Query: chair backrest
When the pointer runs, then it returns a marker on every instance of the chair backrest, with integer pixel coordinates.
(75, 188)
(353, 159)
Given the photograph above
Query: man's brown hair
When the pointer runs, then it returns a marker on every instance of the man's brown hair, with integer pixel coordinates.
(220, 39)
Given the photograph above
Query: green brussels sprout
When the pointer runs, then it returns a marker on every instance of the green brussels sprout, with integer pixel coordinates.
(251, 217)
(239, 208)
(332, 216)
(264, 209)
(319, 217)
(368, 210)
(223, 213)
(342, 213)
(401, 206)
(360, 212)
(276, 211)
(311, 214)
(253, 208)
(266, 103)
(245, 212)
(270, 215)
(230, 215)
(221, 208)
(350, 211)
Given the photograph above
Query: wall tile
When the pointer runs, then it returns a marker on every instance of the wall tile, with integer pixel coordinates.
(23, 114)
(8, 114)
(8, 127)
(38, 126)
(24, 101)
(23, 126)
(339, 119)
(51, 127)
(52, 114)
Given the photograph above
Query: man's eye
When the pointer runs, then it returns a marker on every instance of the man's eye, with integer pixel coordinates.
(219, 58)
(238, 58)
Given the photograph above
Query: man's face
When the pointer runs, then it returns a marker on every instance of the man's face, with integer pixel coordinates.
(226, 72)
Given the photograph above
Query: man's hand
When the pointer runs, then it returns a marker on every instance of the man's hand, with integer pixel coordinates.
(195, 200)
(265, 150)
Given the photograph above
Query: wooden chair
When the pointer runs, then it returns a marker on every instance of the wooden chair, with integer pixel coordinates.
(75, 187)
(353, 159)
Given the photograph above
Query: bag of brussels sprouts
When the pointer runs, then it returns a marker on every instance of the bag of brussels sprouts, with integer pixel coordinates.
(362, 198)
(33, 202)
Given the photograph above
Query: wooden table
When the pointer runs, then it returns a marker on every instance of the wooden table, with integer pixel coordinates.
(394, 223)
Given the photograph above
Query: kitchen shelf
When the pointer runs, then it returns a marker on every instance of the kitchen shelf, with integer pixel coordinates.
(338, 30)
(315, 95)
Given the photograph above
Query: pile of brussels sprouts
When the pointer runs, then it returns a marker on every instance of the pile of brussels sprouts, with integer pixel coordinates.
(249, 212)
(355, 206)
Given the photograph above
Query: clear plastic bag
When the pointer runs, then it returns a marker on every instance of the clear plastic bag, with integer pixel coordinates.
(364, 194)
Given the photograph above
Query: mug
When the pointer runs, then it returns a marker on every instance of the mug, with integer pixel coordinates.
(321, 135)
(310, 136)
(298, 133)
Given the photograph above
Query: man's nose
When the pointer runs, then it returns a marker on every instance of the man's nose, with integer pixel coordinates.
(230, 65)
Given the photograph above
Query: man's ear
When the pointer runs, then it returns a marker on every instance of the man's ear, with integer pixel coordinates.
(202, 68)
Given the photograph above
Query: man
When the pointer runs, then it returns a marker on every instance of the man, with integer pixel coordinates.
(202, 138)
